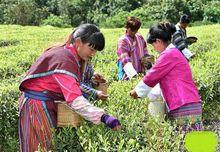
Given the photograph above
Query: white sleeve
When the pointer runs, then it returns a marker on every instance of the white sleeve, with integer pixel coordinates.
(142, 89)
(187, 53)
(155, 94)
(87, 110)
(129, 70)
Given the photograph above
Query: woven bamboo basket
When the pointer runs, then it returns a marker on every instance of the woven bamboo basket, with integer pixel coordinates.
(66, 116)
(103, 87)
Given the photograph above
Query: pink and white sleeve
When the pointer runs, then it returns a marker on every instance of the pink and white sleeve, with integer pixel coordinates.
(163, 65)
(74, 98)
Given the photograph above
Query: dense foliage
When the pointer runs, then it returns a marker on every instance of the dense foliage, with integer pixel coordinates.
(106, 13)
(19, 48)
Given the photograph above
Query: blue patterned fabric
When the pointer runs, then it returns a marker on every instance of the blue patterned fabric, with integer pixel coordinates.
(86, 85)
(121, 72)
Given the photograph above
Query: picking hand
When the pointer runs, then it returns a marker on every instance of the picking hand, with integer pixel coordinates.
(111, 122)
(102, 96)
(147, 59)
(98, 78)
(133, 94)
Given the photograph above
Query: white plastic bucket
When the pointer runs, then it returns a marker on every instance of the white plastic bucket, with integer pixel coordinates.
(157, 106)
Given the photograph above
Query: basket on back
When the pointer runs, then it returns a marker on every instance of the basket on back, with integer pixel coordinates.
(66, 116)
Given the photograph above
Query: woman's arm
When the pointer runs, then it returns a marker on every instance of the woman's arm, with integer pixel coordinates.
(73, 96)
(123, 54)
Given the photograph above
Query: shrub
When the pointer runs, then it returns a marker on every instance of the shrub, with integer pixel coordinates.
(9, 118)
(212, 12)
(4, 43)
(195, 9)
(58, 21)
(144, 14)
(201, 23)
(115, 21)
(66, 139)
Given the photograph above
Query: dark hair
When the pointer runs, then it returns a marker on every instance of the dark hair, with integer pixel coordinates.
(185, 19)
(90, 33)
(133, 23)
(163, 31)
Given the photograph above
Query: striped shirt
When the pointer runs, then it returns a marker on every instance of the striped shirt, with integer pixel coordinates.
(132, 50)
(179, 38)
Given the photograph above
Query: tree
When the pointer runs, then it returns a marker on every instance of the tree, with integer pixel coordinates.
(22, 12)
(212, 12)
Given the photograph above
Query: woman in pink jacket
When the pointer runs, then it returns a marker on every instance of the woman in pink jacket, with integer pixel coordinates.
(173, 73)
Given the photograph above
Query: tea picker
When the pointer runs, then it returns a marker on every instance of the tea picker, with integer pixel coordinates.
(180, 39)
(173, 73)
(55, 76)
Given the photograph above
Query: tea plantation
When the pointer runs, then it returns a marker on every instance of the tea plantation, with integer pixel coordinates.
(19, 48)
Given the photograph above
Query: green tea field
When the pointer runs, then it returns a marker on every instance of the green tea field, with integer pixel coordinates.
(21, 45)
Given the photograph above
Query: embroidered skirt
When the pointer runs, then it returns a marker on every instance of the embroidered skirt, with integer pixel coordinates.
(187, 117)
(37, 120)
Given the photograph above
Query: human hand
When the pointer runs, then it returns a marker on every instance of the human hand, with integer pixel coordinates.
(147, 59)
(133, 94)
(101, 95)
(98, 78)
(147, 65)
(111, 122)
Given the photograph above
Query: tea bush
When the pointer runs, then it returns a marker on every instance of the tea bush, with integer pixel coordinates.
(206, 69)
(9, 117)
